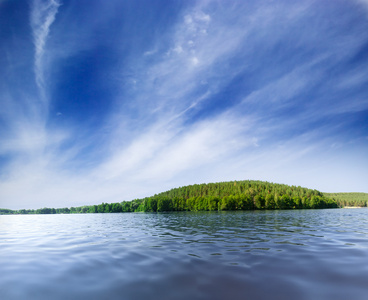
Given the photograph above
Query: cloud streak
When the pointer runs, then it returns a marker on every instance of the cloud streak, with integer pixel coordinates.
(43, 13)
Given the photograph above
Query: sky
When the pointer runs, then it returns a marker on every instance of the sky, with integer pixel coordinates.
(109, 101)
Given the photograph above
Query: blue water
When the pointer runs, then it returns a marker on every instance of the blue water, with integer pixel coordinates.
(299, 254)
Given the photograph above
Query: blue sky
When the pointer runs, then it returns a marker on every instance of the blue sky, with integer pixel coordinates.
(105, 101)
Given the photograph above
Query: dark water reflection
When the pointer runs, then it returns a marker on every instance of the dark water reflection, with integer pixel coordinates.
(303, 254)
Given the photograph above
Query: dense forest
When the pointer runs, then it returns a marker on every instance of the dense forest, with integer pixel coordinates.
(349, 199)
(234, 195)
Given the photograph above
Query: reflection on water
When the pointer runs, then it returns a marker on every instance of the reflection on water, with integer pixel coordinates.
(299, 254)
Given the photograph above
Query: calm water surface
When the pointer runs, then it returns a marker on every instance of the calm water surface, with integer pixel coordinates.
(302, 254)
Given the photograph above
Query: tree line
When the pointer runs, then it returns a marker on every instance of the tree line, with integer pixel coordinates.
(233, 195)
(349, 199)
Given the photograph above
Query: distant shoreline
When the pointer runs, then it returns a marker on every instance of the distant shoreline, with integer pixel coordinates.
(352, 207)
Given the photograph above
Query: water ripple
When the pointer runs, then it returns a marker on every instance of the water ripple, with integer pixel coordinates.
(300, 254)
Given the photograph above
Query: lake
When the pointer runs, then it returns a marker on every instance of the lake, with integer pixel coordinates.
(290, 254)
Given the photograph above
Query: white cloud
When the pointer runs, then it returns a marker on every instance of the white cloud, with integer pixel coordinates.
(42, 16)
(364, 3)
(195, 61)
(25, 112)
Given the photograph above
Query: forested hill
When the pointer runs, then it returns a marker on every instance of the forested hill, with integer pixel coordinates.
(229, 188)
(233, 195)
(239, 195)
(349, 199)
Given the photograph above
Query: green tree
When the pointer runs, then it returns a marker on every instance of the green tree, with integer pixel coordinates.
(259, 202)
(101, 208)
(269, 201)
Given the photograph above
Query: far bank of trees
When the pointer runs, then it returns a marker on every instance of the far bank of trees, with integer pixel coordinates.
(349, 199)
(235, 195)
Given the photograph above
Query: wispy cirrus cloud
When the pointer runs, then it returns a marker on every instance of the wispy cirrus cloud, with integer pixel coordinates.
(194, 68)
(43, 13)
(25, 108)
